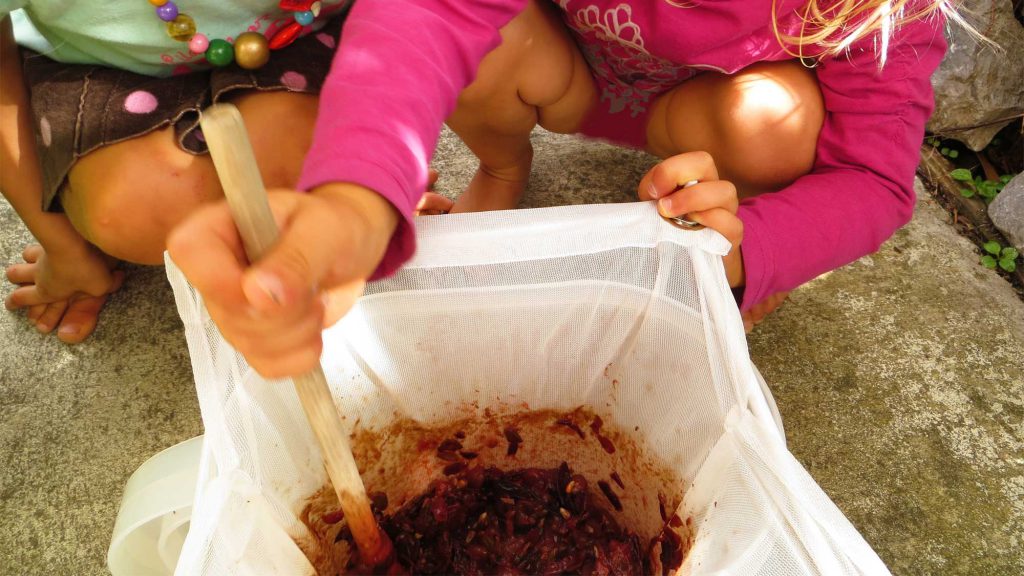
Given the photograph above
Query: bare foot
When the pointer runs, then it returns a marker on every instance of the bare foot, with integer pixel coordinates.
(494, 190)
(759, 311)
(65, 291)
(432, 204)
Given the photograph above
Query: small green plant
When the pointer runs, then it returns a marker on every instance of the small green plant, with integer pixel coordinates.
(986, 189)
(946, 151)
(997, 255)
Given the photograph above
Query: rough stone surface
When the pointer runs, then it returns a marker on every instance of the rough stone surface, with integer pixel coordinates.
(1007, 211)
(76, 421)
(899, 377)
(978, 90)
(900, 380)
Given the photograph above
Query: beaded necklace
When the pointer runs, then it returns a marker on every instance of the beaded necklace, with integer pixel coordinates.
(251, 50)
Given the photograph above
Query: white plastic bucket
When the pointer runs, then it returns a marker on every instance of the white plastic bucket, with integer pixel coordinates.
(153, 519)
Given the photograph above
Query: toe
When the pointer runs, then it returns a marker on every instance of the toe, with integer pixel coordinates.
(80, 319)
(34, 312)
(51, 316)
(432, 203)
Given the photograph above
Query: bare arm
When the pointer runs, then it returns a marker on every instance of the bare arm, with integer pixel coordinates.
(387, 95)
(20, 180)
(64, 280)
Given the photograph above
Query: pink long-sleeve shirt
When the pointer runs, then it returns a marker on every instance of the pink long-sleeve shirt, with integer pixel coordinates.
(402, 63)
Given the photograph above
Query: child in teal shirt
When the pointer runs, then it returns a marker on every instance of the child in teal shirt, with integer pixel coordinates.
(101, 151)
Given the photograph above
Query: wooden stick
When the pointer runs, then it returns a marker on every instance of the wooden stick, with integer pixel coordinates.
(239, 175)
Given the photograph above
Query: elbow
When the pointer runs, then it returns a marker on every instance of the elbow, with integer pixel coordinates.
(901, 200)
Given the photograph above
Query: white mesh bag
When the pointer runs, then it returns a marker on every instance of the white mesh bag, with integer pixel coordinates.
(605, 306)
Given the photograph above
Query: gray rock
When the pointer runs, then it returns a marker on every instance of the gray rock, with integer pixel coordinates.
(1007, 211)
(978, 89)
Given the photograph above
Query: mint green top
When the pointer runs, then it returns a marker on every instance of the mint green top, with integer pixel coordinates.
(127, 34)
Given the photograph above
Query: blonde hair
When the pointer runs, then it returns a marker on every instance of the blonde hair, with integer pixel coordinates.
(833, 25)
(840, 23)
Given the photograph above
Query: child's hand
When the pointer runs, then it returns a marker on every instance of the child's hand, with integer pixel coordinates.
(711, 202)
(63, 288)
(330, 241)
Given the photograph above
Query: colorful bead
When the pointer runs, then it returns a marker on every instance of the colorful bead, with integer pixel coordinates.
(220, 52)
(295, 5)
(251, 50)
(198, 43)
(285, 36)
(181, 28)
(167, 12)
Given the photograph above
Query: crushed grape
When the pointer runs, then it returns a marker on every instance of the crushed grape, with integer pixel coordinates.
(482, 520)
(514, 440)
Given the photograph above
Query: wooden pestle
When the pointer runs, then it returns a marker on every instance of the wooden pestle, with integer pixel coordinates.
(239, 175)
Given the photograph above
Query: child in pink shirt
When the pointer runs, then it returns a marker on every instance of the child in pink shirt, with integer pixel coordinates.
(800, 119)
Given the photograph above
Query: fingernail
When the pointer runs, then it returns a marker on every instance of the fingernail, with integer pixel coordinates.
(665, 206)
(652, 190)
(748, 326)
(270, 289)
(68, 330)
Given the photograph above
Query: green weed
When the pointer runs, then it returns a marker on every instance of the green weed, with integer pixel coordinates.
(998, 255)
(987, 190)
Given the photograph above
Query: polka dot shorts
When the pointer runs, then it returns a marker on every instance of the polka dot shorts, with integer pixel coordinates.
(80, 108)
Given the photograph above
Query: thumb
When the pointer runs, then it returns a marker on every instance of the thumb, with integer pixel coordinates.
(311, 253)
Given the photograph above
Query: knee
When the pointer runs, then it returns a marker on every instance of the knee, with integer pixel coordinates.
(781, 100)
(769, 119)
(128, 210)
(535, 65)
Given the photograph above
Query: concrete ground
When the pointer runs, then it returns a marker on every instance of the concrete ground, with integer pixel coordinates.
(900, 379)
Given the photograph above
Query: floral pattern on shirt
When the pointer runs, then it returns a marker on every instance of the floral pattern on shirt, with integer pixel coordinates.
(613, 44)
